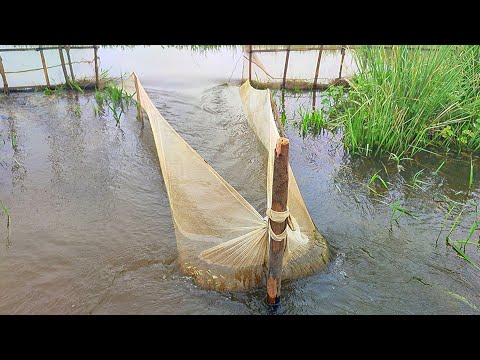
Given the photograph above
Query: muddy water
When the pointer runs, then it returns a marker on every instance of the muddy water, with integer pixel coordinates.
(91, 229)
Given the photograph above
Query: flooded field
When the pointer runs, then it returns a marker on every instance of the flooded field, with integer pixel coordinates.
(91, 230)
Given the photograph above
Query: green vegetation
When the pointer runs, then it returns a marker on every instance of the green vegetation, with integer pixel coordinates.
(332, 102)
(114, 98)
(406, 98)
(5, 210)
(57, 90)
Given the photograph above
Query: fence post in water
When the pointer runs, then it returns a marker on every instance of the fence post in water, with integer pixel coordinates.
(316, 77)
(341, 63)
(4, 77)
(44, 64)
(95, 47)
(279, 204)
(62, 61)
(67, 50)
(250, 65)
(139, 103)
(286, 67)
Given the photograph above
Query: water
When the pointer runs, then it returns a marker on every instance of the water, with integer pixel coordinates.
(92, 232)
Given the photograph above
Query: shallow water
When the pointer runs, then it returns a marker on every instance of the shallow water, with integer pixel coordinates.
(92, 232)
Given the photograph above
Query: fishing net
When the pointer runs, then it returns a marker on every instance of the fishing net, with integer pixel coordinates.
(222, 241)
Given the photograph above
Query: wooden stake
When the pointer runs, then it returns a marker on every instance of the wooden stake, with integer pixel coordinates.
(62, 61)
(341, 63)
(314, 100)
(317, 68)
(4, 77)
(286, 67)
(250, 65)
(279, 203)
(95, 47)
(316, 77)
(67, 50)
(140, 113)
(45, 71)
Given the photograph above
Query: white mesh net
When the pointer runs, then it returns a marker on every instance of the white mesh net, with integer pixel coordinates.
(222, 240)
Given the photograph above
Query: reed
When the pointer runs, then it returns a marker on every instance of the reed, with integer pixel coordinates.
(404, 99)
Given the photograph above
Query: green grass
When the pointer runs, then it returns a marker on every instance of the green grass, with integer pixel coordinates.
(441, 165)
(77, 111)
(396, 208)
(462, 253)
(403, 99)
(470, 180)
(114, 98)
(416, 182)
(13, 139)
(332, 102)
(375, 177)
(5, 210)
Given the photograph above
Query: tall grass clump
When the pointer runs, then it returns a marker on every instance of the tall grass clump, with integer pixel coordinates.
(404, 98)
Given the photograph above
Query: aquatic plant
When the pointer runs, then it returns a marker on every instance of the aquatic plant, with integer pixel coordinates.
(406, 98)
(13, 139)
(115, 98)
(6, 212)
(416, 181)
(74, 85)
(438, 169)
(77, 111)
(396, 208)
(398, 159)
(375, 177)
(470, 180)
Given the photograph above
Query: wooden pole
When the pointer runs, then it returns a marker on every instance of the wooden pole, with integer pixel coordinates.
(139, 103)
(45, 71)
(95, 47)
(279, 203)
(314, 100)
(4, 77)
(287, 56)
(341, 63)
(67, 50)
(250, 65)
(62, 61)
(317, 68)
(316, 77)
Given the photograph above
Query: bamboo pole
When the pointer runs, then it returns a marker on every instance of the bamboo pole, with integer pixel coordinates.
(139, 103)
(45, 71)
(277, 118)
(316, 77)
(317, 68)
(4, 77)
(95, 49)
(279, 203)
(62, 61)
(250, 65)
(287, 56)
(67, 50)
(341, 63)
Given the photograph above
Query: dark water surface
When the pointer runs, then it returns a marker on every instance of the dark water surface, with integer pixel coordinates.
(91, 227)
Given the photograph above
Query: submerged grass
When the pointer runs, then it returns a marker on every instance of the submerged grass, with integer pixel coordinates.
(5, 210)
(115, 99)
